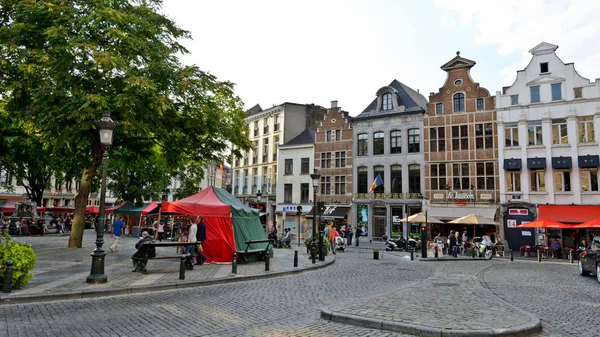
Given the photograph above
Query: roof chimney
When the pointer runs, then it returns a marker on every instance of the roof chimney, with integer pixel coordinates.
(417, 91)
(334, 104)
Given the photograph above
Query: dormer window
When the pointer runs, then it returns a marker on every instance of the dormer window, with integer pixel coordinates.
(386, 102)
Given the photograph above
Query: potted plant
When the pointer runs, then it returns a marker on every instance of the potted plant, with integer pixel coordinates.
(23, 259)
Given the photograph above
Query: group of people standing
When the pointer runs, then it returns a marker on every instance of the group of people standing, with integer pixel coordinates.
(346, 233)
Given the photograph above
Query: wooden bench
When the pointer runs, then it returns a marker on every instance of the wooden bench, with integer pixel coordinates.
(241, 255)
(183, 258)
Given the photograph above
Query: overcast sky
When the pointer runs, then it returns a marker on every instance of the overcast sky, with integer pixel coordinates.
(314, 51)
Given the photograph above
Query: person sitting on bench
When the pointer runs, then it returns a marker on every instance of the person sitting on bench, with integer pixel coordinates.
(144, 250)
(287, 239)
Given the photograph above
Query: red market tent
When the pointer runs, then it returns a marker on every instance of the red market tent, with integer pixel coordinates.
(92, 210)
(8, 206)
(589, 224)
(229, 223)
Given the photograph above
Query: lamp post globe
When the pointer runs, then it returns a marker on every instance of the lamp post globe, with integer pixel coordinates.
(105, 127)
(316, 177)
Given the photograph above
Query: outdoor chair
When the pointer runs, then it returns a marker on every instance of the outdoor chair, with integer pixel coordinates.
(526, 250)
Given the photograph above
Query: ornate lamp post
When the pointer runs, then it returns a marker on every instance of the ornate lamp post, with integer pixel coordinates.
(258, 196)
(316, 177)
(106, 127)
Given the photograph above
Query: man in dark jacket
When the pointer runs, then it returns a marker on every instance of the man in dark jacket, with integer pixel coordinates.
(144, 251)
(200, 238)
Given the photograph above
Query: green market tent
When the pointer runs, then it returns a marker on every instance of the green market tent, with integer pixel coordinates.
(229, 222)
(133, 210)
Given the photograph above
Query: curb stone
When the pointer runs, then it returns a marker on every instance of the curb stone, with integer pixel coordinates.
(418, 330)
(125, 291)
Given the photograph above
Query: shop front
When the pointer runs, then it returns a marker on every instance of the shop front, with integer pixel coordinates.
(294, 217)
(377, 218)
(450, 212)
(571, 215)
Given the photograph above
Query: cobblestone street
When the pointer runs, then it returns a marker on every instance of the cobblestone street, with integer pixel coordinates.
(291, 305)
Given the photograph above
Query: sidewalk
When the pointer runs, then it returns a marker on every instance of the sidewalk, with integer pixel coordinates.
(61, 272)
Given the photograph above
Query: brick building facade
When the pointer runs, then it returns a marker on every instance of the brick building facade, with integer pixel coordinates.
(461, 150)
(333, 159)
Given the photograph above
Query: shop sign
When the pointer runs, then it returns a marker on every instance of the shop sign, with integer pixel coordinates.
(486, 196)
(526, 233)
(387, 196)
(462, 196)
(518, 211)
(438, 196)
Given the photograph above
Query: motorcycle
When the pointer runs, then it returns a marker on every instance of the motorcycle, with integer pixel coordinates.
(396, 244)
(484, 248)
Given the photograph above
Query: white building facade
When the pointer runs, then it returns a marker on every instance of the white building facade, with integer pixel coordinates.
(548, 124)
(295, 185)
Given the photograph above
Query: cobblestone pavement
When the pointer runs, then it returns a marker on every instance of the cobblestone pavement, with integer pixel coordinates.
(566, 303)
(285, 306)
(453, 298)
(290, 305)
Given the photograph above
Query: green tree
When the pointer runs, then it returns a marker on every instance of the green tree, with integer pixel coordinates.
(63, 62)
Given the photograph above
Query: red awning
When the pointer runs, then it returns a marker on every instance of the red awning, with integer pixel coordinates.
(569, 213)
(111, 210)
(9, 205)
(92, 210)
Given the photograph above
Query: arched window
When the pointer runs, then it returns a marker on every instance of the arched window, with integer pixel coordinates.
(386, 102)
(362, 181)
(395, 141)
(363, 143)
(459, 102)
(378, 143)
(396, 177)
(378, 170)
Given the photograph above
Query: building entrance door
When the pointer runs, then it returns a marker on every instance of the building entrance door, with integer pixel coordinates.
(518, 237)
(379, 223)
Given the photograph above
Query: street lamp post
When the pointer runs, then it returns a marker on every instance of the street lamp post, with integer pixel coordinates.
(424, 208)
(106, 127)
(316, 177)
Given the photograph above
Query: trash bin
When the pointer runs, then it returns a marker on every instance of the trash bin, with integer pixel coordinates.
(375, 254)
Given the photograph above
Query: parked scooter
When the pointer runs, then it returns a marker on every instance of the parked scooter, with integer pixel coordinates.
(396, 244)
(484, 247)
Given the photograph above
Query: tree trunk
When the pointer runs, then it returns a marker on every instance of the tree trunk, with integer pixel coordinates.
(87, 177)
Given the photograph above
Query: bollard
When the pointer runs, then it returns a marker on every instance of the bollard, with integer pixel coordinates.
(234, 264)
(435, 249)
(570, 256)
(267, 267)
(7, 287)
(539, 252)
(296, 258)
(412, 254)
(473, 254)
(511, 255)
(181, 268)
(375, 254)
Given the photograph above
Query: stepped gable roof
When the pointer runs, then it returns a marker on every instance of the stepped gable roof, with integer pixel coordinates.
(408, 97)
(306, 137)
(254, 110)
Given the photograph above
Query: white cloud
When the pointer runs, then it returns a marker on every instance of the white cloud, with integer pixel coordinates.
(516, 26)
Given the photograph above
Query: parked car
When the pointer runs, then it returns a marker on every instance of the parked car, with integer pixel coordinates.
(589, 259)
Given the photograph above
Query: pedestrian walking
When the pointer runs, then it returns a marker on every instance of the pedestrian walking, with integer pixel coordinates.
(200, 238)
(358, 234)
(349, 235)
(191, 239)
(118, 229)
(159, 231)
